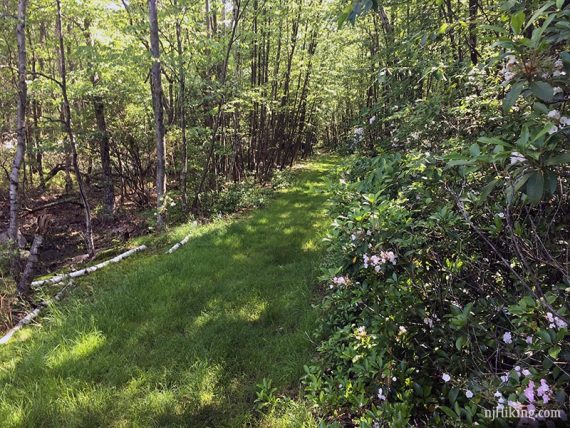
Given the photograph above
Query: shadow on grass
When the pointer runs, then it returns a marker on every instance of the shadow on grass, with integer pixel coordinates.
(179, 340)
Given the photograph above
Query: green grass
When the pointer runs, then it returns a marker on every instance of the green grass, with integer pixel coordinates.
(181, 339)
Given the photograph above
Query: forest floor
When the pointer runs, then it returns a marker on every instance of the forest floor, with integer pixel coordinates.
(64, 244)
(181, 339)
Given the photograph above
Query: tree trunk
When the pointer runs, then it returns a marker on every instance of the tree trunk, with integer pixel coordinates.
(156, 89)
(103, 136)
(36, 108)
(21, 138)
(71, 137)
(26, 280)
(473, 7)
(108, 188)
(218, 121)
(38, 138)
(182, 113)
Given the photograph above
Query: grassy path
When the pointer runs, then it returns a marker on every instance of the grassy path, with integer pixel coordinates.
(179, 340)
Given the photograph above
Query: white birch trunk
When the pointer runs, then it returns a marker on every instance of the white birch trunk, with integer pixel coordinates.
(82, 272)
(21, 137)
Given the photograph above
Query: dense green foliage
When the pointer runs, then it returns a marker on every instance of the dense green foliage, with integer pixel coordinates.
(242, 82)
(447, 280)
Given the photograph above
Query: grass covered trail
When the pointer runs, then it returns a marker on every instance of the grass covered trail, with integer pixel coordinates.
(181, 339)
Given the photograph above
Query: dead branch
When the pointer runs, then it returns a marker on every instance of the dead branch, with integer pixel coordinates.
(29, 211)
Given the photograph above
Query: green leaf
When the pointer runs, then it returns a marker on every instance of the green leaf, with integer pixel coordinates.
(495, 28)
(527, 302)
(493, 141)
(535, 187)
(513, 95)
(541, 108)
(457, 410)
(542, 90)
(525, 135)
(460, 342)
(564, 158)
(544, 335)
(453, 393)
(516, 310)
(522, 181)
(537, 14)
(517, 21)
(554, 351)
(418, 389)
(486, 191)
(540, 135)
(448, 412)
(342, 18)
(547, 363)
(550, 182)
(475, 150)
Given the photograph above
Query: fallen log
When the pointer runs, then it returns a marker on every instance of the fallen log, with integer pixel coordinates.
(23, 322)
(78, 273)
(29, 318)
(56, 279)
(180, 244)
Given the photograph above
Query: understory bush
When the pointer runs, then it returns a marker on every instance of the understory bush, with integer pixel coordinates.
(240, 196)
(447, 277)
(247, 194)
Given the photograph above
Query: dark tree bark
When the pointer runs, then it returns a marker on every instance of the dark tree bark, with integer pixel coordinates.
(104, 140)
(26, 280)
(182, 114)
(38, 113)
(449, 16)
(280, 134)
(108, 188)
(21, 138)
(473, 8)
(67, 123)
(302, 110)
(157, 104)
(218, 122)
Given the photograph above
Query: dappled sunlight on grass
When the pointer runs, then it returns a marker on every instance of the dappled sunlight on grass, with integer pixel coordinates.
(84, 345)
(309, 246)
(181, 339)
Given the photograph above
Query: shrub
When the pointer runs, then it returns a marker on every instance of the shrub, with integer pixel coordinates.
(421, 322)
(240, 196)
(447, 278)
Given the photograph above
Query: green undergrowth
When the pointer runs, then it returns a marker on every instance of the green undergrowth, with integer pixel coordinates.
(181, 339)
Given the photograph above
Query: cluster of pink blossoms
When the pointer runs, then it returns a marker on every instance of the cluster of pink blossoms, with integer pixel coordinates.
(542, 391)
(555, 322)
(378, 261)
(508, 337)
(525, 372)
(338, 280)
